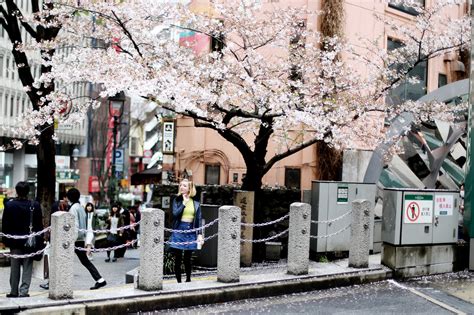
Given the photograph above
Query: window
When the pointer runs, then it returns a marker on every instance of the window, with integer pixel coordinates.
(292, 178)
(235, 177)
(405, 8)
(212, 175)
(406, 91)
(442, 80)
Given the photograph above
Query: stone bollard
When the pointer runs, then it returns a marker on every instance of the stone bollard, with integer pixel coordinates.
(150, 271)
(228, 244)
(359, 247)
(298, 238)
(61, 255)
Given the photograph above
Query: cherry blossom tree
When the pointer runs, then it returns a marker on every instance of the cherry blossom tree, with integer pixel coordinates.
(268, 77)
(29, 34)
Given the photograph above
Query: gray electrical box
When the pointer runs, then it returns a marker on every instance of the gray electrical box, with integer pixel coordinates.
(331, 200)
(419, 216)
(207, 256)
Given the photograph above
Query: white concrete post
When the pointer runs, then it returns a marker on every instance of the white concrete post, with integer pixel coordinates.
(228, 244)
(150, 271)
(61, 255)
(359, 247)
(298, 238)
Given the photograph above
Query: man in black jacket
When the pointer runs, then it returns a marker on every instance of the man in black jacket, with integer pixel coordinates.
(16, 221)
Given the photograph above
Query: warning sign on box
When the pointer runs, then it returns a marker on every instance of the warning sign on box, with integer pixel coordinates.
(418, 209)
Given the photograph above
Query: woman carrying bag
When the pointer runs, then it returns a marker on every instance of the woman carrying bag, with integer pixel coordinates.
(186, 216)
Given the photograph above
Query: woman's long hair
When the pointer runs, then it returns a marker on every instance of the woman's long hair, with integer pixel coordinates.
(116, 213)
(89, 204)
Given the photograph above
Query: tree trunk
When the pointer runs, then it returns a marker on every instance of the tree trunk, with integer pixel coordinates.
(329, 162)
(46, 171)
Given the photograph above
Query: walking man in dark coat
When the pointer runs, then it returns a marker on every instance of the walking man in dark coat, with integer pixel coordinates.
(16, 221)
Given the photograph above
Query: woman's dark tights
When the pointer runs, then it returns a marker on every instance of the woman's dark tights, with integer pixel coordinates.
(178, 254)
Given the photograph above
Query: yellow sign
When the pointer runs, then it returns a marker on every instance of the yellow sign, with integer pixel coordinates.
(2, 198)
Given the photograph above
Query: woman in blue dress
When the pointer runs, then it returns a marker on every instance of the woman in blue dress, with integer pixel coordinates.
(186, 216)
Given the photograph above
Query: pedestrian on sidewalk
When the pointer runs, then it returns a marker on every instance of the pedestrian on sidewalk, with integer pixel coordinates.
(186, 216)
(114, 222)
(125, 214)
(80, 218)
(19, 214)
(59, 205)
(92, 223)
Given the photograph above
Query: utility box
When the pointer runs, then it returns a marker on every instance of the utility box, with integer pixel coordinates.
(415, 216)
(419, 230)
(207, 256)
(331, 200)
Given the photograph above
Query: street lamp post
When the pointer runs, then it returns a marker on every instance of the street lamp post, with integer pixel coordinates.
(116, 104)
(75, 157)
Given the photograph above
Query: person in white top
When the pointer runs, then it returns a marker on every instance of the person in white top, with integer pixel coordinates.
(92, 223)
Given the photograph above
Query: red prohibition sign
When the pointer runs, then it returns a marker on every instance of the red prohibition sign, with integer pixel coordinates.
(413, 211)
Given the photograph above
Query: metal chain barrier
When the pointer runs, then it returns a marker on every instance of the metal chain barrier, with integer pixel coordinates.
(96, 250)
(109, 230)
(25, 236)
(333, 220)
(332, 234)
(40, 252)
(190, 243)
(266, 223)
(265, 239)
(193, 230)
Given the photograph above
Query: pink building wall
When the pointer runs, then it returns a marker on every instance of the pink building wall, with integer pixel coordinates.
(196, 147)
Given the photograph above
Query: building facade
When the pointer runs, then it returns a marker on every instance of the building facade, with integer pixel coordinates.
(210, 159)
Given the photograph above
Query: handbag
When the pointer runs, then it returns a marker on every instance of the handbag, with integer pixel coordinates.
(30, 244)
(112, 238)
(34, 243)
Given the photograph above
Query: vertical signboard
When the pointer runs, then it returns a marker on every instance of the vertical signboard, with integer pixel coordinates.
(168, 137)
(245, 200)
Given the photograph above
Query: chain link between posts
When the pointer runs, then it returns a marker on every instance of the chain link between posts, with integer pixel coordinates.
(266, 223)
(192, 242)
(332, 234)
(96, 250)
(264, 239)
(193, 230)
(110, 230)
(332, 220)
(25, 236)
(40, 252)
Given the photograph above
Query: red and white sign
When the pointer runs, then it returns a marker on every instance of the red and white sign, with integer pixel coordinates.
(418, 208)
(444, 205)
(412, 211)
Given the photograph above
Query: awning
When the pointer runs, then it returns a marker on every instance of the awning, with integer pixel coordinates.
(150, 176)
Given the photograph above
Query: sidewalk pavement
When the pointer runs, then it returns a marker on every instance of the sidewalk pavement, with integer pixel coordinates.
(118, 297)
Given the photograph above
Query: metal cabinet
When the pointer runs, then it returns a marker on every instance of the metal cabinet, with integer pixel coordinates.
(420, 216)
(207, 256)
(331, 200)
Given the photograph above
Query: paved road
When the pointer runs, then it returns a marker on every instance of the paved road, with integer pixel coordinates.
(429, 295)
(114, 273)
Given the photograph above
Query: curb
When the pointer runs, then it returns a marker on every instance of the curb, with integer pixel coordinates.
(158, 301)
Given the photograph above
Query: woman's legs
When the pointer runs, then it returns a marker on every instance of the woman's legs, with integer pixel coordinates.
(187, 264)
(178, 254)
